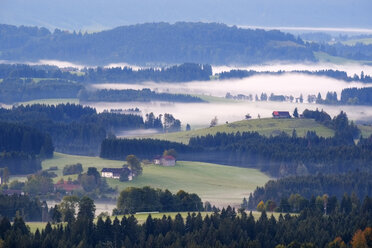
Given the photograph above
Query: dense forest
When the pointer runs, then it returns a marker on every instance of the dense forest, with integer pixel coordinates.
(28, 208)
(24, 82)
(311, 228)
(129, 95)
(20, 90)
(22, 148)
(349, 96)
(305, 187)
(159, 43)
(73, 128)
(143, 148)
(178, 73)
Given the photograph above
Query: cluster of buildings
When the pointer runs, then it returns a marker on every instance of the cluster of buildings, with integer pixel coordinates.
(116, 172)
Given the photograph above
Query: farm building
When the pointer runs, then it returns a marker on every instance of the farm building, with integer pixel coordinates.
(116, 172)
(281, 115)
(164, 160)
(66, 186)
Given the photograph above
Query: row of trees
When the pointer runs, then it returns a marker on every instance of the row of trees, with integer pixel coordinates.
(146, 199)
(130, 95)
(357, 184)
(224, 229)
(143, 148)
(295, 203)
(336, 74)
(177, 73)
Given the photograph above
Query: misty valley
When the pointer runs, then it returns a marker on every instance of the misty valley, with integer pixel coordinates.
(187, 134)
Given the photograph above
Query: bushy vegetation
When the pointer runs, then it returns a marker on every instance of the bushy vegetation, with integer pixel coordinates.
(146, 199)
(73, 169)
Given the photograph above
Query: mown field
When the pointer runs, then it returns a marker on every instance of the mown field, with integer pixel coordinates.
(221, 185)
(267, 126)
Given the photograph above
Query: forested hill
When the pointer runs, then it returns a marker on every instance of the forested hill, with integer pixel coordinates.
(153, 43)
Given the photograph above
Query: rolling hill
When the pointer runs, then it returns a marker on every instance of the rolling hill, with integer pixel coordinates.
(265, 126)
(221, 185)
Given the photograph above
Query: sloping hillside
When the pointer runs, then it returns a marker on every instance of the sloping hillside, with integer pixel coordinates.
(265, 126)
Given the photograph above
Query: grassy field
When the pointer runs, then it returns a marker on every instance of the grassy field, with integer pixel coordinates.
(326, 58)
(51, 101)
(267, 126)
(215, 99)
(60, 160)
(365, 130)
(219, 184)
(366, 41)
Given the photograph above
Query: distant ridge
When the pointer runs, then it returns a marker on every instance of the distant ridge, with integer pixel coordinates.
(153, 43)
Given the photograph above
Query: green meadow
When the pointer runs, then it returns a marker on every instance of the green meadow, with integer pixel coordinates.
(220, 184)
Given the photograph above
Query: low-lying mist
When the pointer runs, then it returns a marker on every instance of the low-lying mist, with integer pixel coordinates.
(349, 68)
(287, 84)
(199, 115)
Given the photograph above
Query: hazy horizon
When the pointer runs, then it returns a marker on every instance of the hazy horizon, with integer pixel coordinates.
(98, 15)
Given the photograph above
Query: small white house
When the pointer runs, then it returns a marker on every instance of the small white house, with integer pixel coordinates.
(115, 173)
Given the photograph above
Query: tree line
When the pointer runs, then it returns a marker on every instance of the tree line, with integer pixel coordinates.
(146, 199)
(30, 209)
(154, 43)
(22, 148)
(184, 72)
(301, 188)
(336, 74)
(130, 95)
(143, 148)
(219, 229)
(73, 128)
(20, 90)
(349, 96)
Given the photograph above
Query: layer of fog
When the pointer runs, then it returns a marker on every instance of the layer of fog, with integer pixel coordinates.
(101, 207)
(200, 114)
(350, 69)
(287, 84)
(136, 132)
(313, 29)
